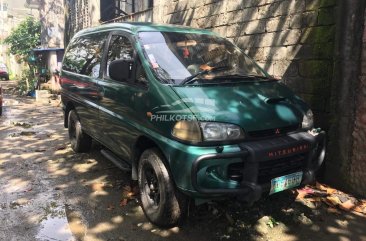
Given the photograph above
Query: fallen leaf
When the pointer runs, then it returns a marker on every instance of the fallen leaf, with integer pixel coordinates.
(323, 187)
(27, 133)
(361, 208)
(347, 206)
(301, 193)
(40, 150)
(97, 186)
(333, 201)
(314, 199)
(61, 148)
(127, 192)
(319, 186)
(22, 124)
(333, 210)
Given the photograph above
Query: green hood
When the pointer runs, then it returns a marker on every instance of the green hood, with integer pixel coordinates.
(253, 105)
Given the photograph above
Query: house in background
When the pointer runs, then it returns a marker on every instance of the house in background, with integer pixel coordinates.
(49, 55)
(12, 13)
(80, 14)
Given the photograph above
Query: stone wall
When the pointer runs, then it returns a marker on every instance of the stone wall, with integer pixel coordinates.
(358, 163)
(291, 39)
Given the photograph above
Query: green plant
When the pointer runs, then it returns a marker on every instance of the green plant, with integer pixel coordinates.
(272, 222)
(26, 82)
(22, 40)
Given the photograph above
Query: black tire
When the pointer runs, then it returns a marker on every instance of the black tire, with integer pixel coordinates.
(161, 202)
(80, 141)
(1, 110)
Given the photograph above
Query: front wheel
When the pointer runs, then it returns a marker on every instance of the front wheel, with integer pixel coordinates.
(80, 141)
(161, 202)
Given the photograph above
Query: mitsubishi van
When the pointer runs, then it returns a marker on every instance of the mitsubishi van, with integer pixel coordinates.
(188, 114)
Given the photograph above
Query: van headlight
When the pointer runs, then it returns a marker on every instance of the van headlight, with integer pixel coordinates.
(207, 131)
(308, 120)
(187, 131)
(214, 131)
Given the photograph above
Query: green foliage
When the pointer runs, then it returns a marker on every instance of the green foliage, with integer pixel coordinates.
(272, 222)
(26, 79)
(24, 38)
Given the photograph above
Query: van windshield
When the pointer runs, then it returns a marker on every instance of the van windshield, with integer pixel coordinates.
(184, 58)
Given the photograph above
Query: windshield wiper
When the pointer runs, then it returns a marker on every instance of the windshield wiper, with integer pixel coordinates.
(191, 79)
(243, 76)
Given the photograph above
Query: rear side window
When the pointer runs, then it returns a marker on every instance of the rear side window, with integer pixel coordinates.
(84, 55)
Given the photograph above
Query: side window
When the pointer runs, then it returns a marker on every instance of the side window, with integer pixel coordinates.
(70, 62)
(119, 48)
(85, 54)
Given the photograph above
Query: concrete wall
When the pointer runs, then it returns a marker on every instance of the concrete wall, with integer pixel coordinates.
(358, 163)
(53, 22)
(94, 12)
(80, 14)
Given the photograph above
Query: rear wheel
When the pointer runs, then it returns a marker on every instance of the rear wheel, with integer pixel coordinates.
(80, 141)
(161, 202)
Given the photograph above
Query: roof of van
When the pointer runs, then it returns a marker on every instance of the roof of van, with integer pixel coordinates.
(135, 27)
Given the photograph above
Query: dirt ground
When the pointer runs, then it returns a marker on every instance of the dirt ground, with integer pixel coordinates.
(47, 192)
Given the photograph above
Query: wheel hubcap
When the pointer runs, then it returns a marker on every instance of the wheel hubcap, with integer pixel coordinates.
(152, 186)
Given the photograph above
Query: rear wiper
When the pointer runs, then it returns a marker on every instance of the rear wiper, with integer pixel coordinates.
(191, 79)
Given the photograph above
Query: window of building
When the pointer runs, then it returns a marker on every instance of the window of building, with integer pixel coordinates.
(111, 9)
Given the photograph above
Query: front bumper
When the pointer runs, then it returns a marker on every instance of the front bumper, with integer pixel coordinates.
(256, 164)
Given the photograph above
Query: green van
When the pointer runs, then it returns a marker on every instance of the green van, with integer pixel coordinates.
(188, 114)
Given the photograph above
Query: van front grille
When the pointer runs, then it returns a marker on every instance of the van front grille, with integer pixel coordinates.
(269, 169)
(273, 132)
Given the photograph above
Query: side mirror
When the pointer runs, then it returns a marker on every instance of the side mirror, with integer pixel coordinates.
(120, 69)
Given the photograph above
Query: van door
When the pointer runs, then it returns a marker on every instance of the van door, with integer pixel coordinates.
(81, 71)
(122, 101)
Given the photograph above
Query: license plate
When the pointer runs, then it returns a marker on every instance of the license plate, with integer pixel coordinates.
(279, 184)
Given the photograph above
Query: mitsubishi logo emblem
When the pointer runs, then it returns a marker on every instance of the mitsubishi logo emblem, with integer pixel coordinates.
(277, 131)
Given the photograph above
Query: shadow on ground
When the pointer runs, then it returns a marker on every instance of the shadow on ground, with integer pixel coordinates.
(50, 193)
